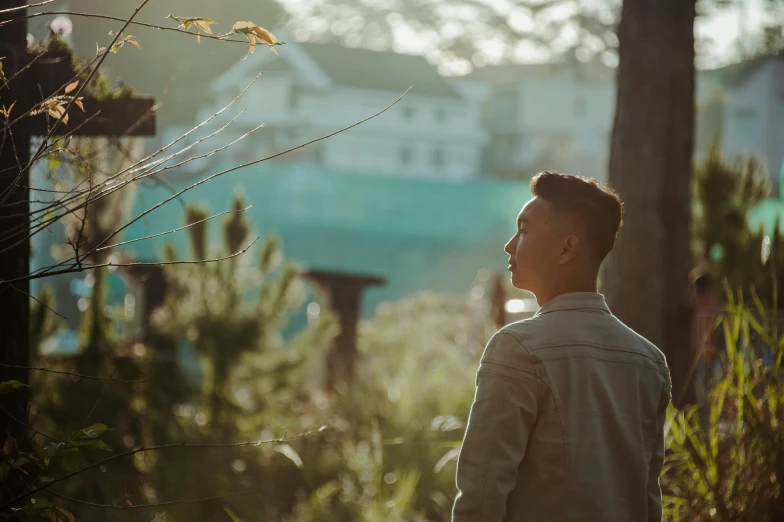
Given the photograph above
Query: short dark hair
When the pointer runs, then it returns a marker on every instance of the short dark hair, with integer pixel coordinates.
(598, 207)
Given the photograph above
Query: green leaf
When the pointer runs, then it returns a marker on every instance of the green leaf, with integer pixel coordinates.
(91, 432)
(89, 443)
(231, 514)
(52, 449)
(70, 459)
(9, 386)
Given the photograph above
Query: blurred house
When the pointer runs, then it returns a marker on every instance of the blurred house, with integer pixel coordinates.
(310, 90)
(551, 116)
(741, 108)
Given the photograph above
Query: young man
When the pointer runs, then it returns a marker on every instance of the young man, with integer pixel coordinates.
(567, 420)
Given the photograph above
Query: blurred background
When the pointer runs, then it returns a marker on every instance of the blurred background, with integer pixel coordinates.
(362, 310)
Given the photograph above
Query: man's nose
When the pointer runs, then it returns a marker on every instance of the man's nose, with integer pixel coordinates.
(507, 247)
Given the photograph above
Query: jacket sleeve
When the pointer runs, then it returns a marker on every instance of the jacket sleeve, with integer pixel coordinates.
(657, 458)
(499, 426)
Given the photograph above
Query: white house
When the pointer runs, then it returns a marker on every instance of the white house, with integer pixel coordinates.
(555, 116)
(742, 109)
(312, 89)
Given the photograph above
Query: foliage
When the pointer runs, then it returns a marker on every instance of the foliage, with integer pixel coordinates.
(724, 244)
(398, 428)
(732, 469)
(223, 320)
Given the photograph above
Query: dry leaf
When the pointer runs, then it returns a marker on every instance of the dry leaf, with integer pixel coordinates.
(67, 514)
(78, 103)
(56, 112)
(7, 111)
(71, 87)
(204, 25)
(254, 32)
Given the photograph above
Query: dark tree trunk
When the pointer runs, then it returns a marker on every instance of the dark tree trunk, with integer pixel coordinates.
(646, 276)
(15, 262)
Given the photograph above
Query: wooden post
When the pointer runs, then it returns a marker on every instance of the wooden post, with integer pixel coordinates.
(342, 293)
(111, 117)
(14, 302)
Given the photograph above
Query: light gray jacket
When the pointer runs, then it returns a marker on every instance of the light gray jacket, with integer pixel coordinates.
(567, 421)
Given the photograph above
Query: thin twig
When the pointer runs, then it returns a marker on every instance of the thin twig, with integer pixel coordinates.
(157, 504)
(81, 376)
(232, 169)
(23, 69)
(222, 38)
(37, 301)
(81, 87)
(139, 263)
(74, 193)
(28, 426)
(95, 404)
(19, 8)
(73, 269)
(176, 229)
(152, 448)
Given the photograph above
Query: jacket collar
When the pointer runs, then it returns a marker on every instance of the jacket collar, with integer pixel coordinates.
(575, 301)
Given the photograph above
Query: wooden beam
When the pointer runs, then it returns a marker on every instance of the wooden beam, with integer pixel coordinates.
(109, 117)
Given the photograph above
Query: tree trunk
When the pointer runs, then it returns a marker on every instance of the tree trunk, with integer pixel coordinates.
(15, 262)
(646, 275)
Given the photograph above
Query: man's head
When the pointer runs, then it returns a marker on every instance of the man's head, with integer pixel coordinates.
(563, 234)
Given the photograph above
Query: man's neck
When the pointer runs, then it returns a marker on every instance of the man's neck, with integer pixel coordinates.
(549, 294)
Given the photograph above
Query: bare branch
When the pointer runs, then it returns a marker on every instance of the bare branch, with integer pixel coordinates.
(75, 194)
(144, 506)
(18, 421)
(37, 301)
(152, 263)
(19, 8)
(70, 210)
(232, 169)
(92, 74)
(176, 229)
(81, 376)
(81, 87)
(23, 69)
(153, 448)
(222, 38)
(48, 272)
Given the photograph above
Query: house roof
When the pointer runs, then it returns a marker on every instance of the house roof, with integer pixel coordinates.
(515, 72)
(387, 71)
(735, 75)
(350, 67)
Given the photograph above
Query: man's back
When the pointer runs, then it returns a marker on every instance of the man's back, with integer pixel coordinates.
(567, 421)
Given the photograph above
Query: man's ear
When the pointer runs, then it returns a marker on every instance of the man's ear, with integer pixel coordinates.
(569, 248)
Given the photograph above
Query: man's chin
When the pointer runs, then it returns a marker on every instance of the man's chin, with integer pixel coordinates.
(518, 282)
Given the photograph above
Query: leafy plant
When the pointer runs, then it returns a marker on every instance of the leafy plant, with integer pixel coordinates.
(732, 469)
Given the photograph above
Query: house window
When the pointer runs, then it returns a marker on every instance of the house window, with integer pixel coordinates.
(405, 155)
(579, 106)
(408, 113)
(438, 158)
(746, 125)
